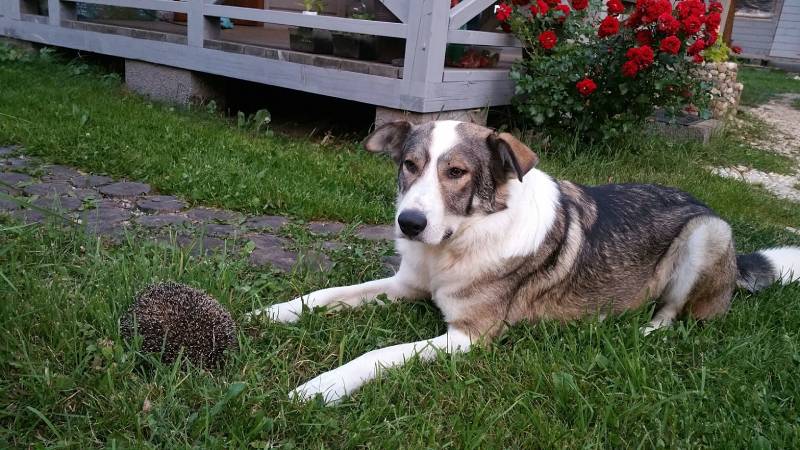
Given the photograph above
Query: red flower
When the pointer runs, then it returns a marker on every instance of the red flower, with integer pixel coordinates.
(711, 38)
(548, 39)
(713, 20)
(642, 56)
(634, 19)
(608, 27)
(736, 49)
(553, 2)
(543, 8)
(586, 86)
(698, 58)
(630, 69)
(695, 49)
(615, 7)
(564, 12)
(651, 10)
(692, 24)
(644, 37)
(668, 24)
(503, 12)
(687, 8)
(670, 44)
(579, 5)
(714, 6)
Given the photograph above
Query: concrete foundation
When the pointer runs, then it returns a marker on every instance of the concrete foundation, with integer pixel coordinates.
(386, 115)
(700, 131)
(169, 84)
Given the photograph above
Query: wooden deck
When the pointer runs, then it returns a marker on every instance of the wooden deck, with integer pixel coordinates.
(418, 82)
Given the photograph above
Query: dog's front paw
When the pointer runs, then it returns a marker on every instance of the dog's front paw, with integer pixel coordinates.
(287, 312)
(333, 386)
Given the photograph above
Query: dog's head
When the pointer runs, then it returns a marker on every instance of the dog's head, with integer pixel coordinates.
(448, 173)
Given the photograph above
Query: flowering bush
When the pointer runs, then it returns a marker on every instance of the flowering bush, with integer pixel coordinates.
(599, 69)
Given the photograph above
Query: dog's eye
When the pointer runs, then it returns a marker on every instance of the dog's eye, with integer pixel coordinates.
(455, 172)
(410, 166)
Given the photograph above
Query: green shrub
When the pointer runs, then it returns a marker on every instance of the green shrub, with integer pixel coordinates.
(600, 75)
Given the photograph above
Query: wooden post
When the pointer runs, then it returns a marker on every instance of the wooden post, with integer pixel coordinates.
(59, 11)
(727, 20)
(199, 27)
(426, 43)
(14, 9)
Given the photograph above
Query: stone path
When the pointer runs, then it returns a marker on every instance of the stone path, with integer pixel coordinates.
(116, 208)
(784, 139)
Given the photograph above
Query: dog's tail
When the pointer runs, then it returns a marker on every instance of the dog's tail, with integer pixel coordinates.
(761, 269)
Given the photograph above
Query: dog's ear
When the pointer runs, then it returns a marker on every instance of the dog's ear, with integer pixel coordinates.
(509, 155)
(389, 138)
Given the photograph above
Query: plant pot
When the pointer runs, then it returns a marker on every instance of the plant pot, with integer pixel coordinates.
(353, 45)
(310, 40)
(389, 49)
(301, 39)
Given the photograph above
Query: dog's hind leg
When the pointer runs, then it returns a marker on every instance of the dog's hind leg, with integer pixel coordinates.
(703, 273)
(400, 286)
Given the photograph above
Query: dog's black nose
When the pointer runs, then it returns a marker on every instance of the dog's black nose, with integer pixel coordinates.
(412, 222)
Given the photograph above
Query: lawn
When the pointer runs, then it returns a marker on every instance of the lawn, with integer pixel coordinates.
(68, 380)
(765, 83)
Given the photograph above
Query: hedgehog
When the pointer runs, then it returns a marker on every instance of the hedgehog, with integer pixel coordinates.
(174, 317)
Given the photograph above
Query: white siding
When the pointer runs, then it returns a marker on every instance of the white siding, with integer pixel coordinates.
(753, 35)
(786, 43)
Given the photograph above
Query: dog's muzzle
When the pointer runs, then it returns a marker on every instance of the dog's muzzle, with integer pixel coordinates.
(412, 222)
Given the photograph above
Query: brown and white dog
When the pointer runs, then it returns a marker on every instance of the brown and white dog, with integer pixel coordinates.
(494, 241)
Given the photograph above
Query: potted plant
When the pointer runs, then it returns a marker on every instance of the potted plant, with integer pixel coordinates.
(310, 40)
(355, 45)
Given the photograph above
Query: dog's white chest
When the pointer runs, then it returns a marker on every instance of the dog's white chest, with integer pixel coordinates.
(442, 275)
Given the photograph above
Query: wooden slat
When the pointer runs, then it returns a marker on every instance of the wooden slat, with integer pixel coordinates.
(475, 75)
(58, 11)
(467, 95)
(482, 38)
(159, 5)
(13, 10)
(398, 7)
(372, 27)
(199, 27)
(466, 11)
(426, 44)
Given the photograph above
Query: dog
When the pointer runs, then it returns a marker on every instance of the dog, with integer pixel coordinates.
(493, 241)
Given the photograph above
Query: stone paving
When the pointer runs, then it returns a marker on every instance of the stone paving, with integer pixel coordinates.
(783, 138)
(114, 209)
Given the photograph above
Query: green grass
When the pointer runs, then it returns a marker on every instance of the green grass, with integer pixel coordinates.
(68, 380)
(762, 84)
(87, 120)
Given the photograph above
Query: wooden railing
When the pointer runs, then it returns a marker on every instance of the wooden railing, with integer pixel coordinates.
(427, 26)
